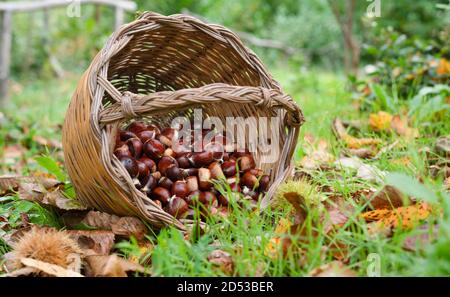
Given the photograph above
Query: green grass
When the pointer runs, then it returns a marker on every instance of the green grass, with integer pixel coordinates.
(40, 106)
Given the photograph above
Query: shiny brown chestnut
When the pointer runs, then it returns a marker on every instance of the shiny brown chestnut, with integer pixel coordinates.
(146, 135)
(122, 152)
(204, 179)
(136, 127)
(192, 198)
(174, 172)
(183, 162)
(192, 183)
(201, 159)
(125, 135)
(249, 180)
(135, 147)
(165, 182)
(154, 149)
(264, 183)
(216, 171)
(131, 167)
(229, 168)
(208, 198)
(161, 194)
(189, 172)
(149, 184)
(176, 207)
(149, 162)
(143, 170)
(216, 149)
(167, 135)
(246, 162)
(180, 189)
(154, 128)
(165, 162)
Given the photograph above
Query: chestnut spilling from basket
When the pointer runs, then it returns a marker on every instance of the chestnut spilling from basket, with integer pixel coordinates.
(180, 179)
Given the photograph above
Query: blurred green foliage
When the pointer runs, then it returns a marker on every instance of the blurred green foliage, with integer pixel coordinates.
(307, 25)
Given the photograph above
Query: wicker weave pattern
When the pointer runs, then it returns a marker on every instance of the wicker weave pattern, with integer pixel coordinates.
(179, 63)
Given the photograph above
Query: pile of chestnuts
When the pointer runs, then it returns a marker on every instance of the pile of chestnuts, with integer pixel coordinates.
(180, 179)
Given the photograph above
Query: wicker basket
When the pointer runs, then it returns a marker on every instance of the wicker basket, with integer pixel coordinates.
(159, 67)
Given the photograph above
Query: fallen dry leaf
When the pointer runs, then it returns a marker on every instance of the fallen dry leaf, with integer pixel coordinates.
(443, 67)
(404, 217)
(363, 153)
(388, 198)
(400, 126)
(350, 141)
(51, 143)
(13, 152)
(333, 269)
(364, 171)
(316, 155)
(13, 183)
(380, 121)
(53, 197)
(111, 266)
(222, 260)
(49, 269)
(121, 226)
(130, 226)
(416, 242)
(99, 242)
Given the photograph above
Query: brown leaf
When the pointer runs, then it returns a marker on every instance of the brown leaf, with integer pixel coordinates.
(100, 220)
(298, 202)
(350, 141)
(13, 183)
(222, 260)
(388, 198)
(333, 269)
(415, 242)
(401, 127)
(51, 143)
(130, 226)
(364, 153)
(13, 151)
(122, 226)
(316, 156)
(111, 266)
(50, 269)
(54, 197)
(380, 121)
(99, 242)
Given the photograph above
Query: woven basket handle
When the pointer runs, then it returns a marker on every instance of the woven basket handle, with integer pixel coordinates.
(129, 105)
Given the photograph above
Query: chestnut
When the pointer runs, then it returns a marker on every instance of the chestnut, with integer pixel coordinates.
(170, 153)
(249, 180)
(180, 189)
(136, 127)
(229, 168)
(183, 162)
(208, 198)
(161, 194)
(165, 162)
(122, 152)
(264, 183)
(149, 184)
(223, 200)
(201, 159)
(165, 182)
(216, 171)
(167, 135)
(135, 147)
(149, 162)
(235, 187)
(143, 170)
(192, 183)
(156, 175)
(154, 149)
(131, 167)
(146, 135)
(192, 198)
(246, 162)
(154, 128)
(216, 149)
(204, 179)
(174, 172)
(125, 135)
(256, 172)
(189, 172)
(177, 207)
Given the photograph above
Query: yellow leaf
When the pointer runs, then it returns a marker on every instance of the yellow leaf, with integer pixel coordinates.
(355, 143)
(380, 121)
(444, 67)
(401, 127)
(404, 217)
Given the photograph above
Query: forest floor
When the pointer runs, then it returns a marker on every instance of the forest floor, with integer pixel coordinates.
(370, 199)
